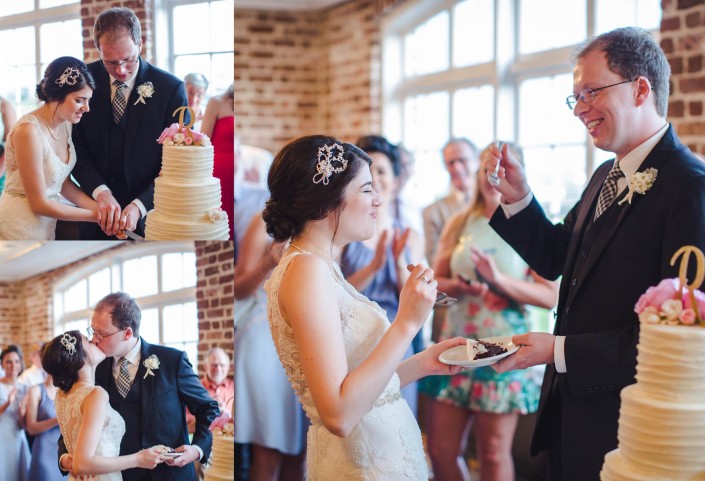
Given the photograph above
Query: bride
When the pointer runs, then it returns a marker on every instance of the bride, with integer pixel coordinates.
(40, 156)
(92, 430)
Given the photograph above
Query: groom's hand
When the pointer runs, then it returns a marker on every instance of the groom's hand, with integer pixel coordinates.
(108, 212)
(130, 215)
(190, 455)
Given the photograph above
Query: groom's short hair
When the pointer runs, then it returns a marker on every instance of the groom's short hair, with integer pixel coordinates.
(113, 21)
(123, 310)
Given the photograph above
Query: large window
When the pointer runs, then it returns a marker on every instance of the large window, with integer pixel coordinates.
(162, 278)
(489, 69)
(33, 33)
(201, 39)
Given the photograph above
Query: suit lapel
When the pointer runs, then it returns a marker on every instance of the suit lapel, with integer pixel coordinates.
(656, 159)
(147, 383)
(136, 111)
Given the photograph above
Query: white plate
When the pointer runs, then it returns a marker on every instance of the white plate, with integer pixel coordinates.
(458, 355)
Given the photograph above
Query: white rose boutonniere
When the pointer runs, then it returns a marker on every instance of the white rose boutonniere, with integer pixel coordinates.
(146, 90)
(640, 183)
(152, 364)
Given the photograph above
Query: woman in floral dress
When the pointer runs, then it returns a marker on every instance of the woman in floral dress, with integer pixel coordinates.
(494, 285)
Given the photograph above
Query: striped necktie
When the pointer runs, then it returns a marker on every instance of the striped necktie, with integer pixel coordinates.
(609, 190)
(123, 379)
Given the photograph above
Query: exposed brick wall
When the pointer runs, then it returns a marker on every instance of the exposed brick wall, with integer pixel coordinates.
(26, 307)
(144, 9)
(683, 40)
(215, 298)
(304, 72)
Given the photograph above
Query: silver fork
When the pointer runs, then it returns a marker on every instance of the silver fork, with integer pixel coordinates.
(493, 178)
(442, 299)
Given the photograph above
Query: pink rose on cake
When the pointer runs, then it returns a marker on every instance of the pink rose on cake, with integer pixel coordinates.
(663, 304)
(173, 136)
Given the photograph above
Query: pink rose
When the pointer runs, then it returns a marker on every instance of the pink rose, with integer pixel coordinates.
(699, 301)
(655, 296)
(687, 316)
(168, 132)
(188, 141)
(197, 136)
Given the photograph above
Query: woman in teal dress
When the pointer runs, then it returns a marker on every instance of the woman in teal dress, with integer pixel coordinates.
(493, 285)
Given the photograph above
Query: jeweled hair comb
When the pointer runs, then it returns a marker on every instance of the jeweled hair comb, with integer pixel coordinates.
(70, 76)
(69, 342)
(326, 158)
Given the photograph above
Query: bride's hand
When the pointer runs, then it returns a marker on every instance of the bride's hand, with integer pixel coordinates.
(148, 458)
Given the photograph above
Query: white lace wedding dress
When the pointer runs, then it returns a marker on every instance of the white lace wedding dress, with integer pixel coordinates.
(68, 413)
(386, 443)
(17, 221)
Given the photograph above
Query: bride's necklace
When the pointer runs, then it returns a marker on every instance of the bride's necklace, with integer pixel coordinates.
(46, 121)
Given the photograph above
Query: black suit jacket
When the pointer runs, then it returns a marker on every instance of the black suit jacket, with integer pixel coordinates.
(165, 396)
(604, 273)
(145, 122)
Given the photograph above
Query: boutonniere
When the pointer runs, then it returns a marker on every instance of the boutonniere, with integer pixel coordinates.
(640, 183)
(152, 364)
(146, 90)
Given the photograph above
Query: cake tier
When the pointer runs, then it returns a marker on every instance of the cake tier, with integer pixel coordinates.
(187, 163)
(222, 458)
(670, 362)
(186, 201)
(160, 227)
(616, 468)
(661, 438)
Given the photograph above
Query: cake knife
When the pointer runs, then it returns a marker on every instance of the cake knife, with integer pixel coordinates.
(132, 235)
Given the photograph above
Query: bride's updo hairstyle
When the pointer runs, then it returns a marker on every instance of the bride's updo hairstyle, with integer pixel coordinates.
(63, 357)
(63, 76)
(300, 191)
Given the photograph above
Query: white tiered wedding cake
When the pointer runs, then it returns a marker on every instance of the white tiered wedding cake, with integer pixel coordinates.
(187, 198)
(221, 464)
(662, 416)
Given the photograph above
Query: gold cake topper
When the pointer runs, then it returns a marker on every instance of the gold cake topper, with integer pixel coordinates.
(686, 251)
(192, 115)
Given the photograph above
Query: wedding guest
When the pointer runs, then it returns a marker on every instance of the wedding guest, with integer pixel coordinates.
(118, 156)
(269, 417)
(494, 286)
(14, 455)
(217, 383)
(43, 425)
(219, 125)
(40, 157)
(376, 267)
(340, 352)
(461, 160)
(34, 374)
(196, 87)
(620, 95)
(8, 118)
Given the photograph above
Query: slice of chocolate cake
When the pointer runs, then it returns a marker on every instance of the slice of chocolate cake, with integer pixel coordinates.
(490, 350)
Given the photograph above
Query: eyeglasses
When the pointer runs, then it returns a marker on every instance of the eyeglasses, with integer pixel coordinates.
(113, 64)
(588, 95)
(92, 334)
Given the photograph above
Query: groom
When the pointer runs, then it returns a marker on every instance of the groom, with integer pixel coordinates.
(118, 157)
(149, 386)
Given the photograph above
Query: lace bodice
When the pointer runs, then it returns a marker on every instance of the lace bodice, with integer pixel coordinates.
(17, 221)
(55, 170)
(68, 413)
(386, 443)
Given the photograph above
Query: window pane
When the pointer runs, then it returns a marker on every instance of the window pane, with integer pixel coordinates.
(58, 304)
(566, 24)
(618, 13)
(23, 46)
(79, 325)
(186, 19)
(426, 128)
(76, 297)
(59, 39)
(142, 275)
(178, 271)
(180, 323)
(8, 7)
(149, 326)
(191, 349)
(556, 175)
(222, 72)
(221, 23)
(98, 286)
(201, 63)
(544, 117)
(55, 3)
(473, 114)
(426, 48)
(473, 32)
